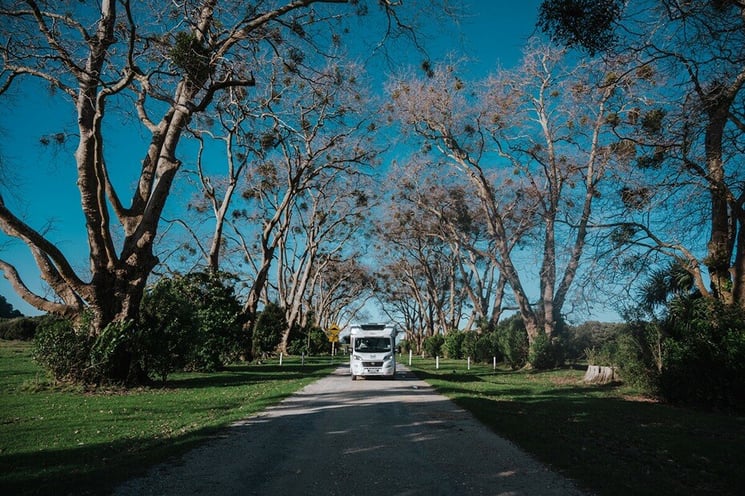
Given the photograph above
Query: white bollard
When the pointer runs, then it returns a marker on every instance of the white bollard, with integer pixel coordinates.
(494, 360)
(409, 358)
(437, 362)
(280, 358)
(302, 359)
(469, 363)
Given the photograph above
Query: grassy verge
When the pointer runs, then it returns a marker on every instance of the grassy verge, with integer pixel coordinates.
(56, 441)
(607, 438)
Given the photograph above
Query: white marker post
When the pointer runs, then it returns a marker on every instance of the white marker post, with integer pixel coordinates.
(409, 358)
(494, 360)
(437, 362)
(469, 363)
(280, 358)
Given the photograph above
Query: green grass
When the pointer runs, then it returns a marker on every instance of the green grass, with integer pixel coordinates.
(609, 439)
(58, 441)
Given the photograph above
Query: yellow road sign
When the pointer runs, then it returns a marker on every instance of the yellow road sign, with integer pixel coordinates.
(333, 333)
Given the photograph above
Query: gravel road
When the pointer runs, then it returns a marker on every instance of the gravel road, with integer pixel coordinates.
(355, 438)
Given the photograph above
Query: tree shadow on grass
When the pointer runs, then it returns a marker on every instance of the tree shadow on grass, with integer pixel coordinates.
(97, 468)
(245, 375)
(607, 442)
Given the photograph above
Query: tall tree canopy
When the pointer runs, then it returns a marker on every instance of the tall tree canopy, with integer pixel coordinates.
(691, 147)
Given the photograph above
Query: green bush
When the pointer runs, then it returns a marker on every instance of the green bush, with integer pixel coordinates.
(112, 351)
(19, 328)
(166, 330)
(487, 348)
(310, 341)
(190, 322)
(433, 345)
(545, 353)
(63, 350)
(605, 356)
(704, 357)
(469, 345)
(513, 342)
(405, 346)
(453, 344)
(72, 354)
(692, 354)
(271, 323)
(218, 317)
(595, 337)
(635, 356)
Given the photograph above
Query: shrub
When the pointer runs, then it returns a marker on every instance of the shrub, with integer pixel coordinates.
(605, 356)
(218, 318)
(433, 345)
(310, 341)
(469, 344)
(598, 337)
(62, 349)
(111, 351)
(487, 347)
(636, 357)
(544, 352)
(72, 354)
(190, 322)
(19, 328)
(693, 354)
(453, 344)
(704, 357)
(270, 325)
(166, 330)
(513, 342)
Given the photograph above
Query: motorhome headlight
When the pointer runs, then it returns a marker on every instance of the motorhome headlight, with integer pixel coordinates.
(356, 357)
(387, 357)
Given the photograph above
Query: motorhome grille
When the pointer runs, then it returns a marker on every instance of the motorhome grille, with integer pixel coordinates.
(372, 364)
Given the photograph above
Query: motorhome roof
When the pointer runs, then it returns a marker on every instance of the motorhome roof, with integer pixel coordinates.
(374, 327)
(379, 329)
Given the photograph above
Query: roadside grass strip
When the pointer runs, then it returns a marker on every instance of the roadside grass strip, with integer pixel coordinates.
(609, 439)
(67, 440)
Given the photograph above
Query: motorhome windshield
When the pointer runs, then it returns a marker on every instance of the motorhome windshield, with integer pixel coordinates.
(372, 345)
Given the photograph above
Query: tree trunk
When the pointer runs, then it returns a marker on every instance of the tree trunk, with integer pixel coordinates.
(721, 242)
(739, 264)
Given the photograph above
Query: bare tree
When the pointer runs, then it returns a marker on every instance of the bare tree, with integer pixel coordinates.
(533, 143)
(455, 217)
(342, 290)
(318, 136)
(428, 267)
(325, 235)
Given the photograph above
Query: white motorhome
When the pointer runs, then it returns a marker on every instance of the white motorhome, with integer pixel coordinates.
(372, 350)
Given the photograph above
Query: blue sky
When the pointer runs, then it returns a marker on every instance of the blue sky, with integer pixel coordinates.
(42, 181)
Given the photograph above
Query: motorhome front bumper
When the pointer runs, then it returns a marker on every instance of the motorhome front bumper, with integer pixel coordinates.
(372, 367)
